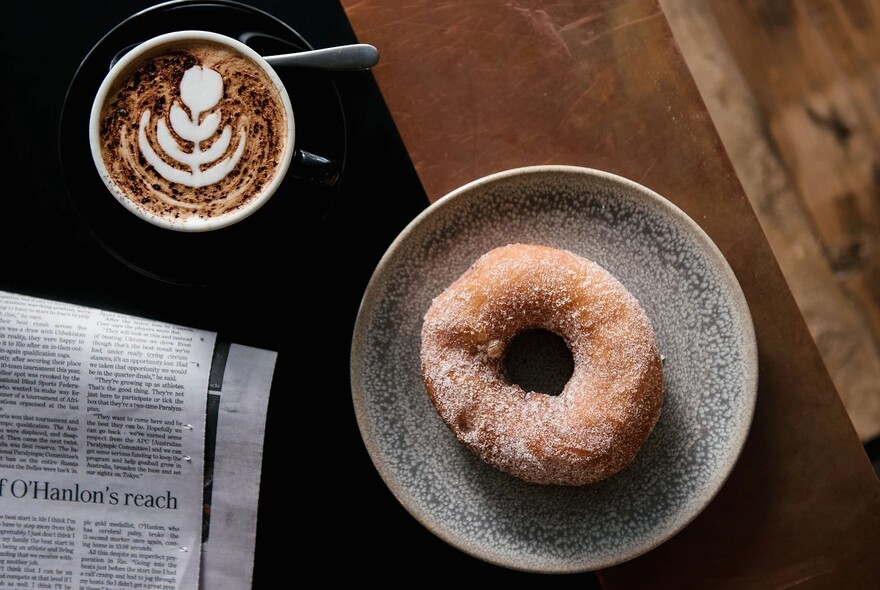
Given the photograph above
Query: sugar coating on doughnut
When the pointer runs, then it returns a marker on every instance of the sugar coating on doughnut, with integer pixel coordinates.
(605, 412)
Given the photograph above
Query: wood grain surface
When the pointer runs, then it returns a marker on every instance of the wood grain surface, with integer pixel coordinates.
(836, 293)
(477, 87)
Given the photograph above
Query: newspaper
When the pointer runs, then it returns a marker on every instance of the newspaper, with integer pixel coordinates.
(106, 480)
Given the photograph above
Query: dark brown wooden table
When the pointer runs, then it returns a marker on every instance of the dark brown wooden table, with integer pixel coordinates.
(475, 87)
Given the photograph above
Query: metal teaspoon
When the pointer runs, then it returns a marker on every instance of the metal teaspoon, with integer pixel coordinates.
(358, 56)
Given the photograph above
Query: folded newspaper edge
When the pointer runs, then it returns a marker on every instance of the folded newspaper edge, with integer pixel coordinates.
(130, 450)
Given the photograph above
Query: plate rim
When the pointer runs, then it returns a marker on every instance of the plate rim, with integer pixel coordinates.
(750, 357)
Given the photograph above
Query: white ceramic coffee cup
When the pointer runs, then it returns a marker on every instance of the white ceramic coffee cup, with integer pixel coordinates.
(191, 223)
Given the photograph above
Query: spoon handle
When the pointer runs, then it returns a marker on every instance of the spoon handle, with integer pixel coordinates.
(360, 56)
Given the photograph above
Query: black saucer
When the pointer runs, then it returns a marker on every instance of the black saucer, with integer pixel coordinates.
(249, 249)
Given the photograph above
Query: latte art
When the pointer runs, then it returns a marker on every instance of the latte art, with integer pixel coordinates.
(200, 89)
(193, 130)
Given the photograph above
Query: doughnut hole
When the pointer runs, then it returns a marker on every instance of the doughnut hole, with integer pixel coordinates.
(538, 361)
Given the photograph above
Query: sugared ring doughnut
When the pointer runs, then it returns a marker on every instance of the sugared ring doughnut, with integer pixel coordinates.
(607, 409)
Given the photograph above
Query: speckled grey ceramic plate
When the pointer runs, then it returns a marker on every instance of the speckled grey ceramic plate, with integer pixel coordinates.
(704, 331)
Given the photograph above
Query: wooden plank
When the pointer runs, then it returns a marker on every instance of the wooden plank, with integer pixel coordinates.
(814, 69)
(476, 87)
(811, 72)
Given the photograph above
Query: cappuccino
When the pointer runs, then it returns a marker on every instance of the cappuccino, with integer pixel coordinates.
(192, 131)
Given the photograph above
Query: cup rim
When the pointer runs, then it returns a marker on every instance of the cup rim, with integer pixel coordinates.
(193, 223)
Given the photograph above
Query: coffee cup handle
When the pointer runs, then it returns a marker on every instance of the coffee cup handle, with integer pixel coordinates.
(314, 168)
